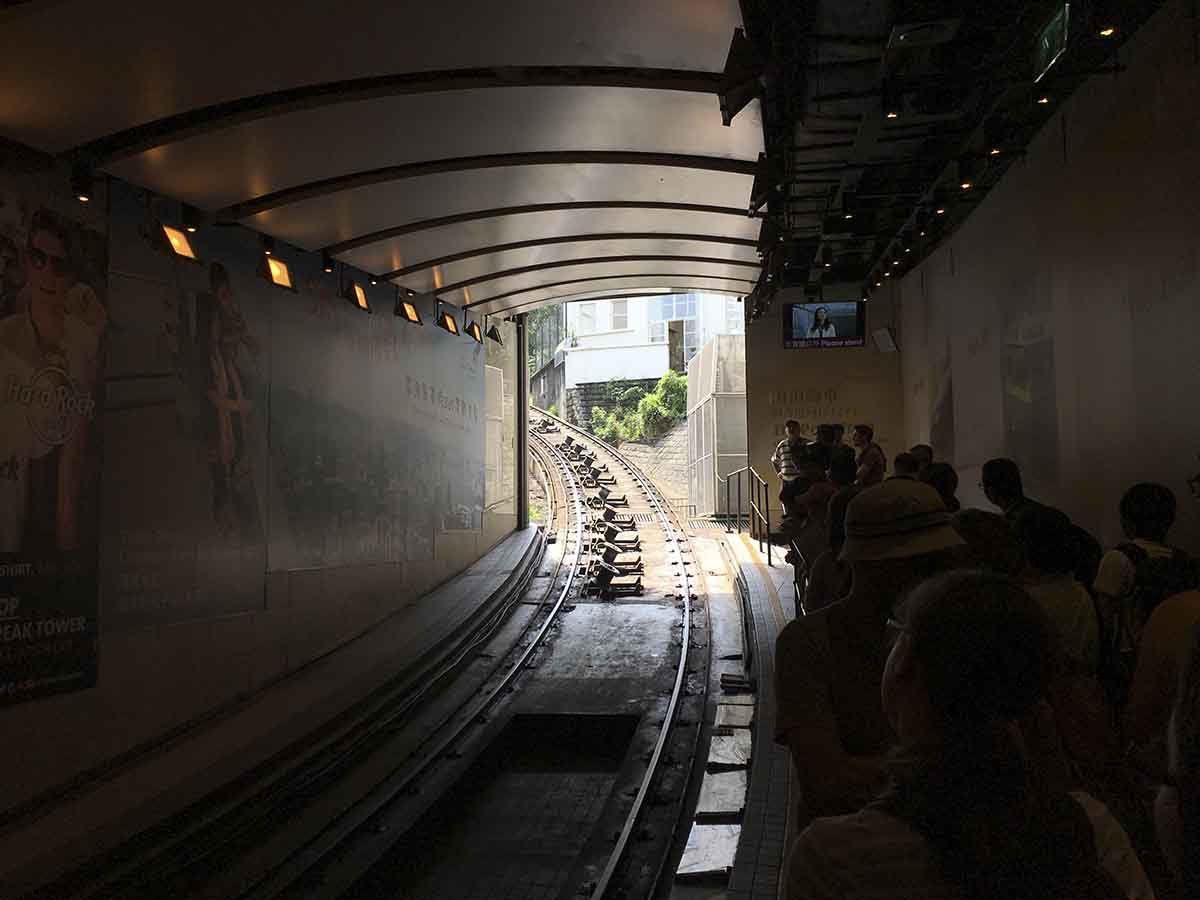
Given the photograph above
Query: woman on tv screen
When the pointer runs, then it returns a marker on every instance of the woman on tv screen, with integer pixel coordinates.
(822, 326)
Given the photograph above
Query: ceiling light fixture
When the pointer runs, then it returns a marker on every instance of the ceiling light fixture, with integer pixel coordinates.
(326, 262)
(493, 333)
(1043, 100)
(268, 244)
(179, 243)
(356, 294)
(475, 332)
(279, 273)
(360, 297)
(941, 210)
(407, 310)
(445, 320)
(1107, 31)
(995, 151)
(966, 185)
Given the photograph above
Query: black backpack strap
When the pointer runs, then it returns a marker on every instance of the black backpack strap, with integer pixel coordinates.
(1133, 552)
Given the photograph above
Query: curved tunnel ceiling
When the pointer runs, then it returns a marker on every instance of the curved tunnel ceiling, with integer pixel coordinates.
(501, 155)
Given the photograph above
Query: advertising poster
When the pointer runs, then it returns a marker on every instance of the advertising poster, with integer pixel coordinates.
(185, 423)
(53, 323)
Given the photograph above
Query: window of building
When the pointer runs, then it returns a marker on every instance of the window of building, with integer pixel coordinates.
(620, 315)
(586, 323)
(672, 308)
(734, 323)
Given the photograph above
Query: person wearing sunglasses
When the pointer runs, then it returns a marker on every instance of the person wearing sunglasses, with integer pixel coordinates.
(49, 358)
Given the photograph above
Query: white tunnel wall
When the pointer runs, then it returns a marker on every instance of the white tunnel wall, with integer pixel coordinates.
(1061, 325)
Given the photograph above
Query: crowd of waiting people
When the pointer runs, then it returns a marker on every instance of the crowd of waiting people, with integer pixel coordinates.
(978, 703)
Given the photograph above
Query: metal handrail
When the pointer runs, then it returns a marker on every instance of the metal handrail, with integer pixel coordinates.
(758, 515)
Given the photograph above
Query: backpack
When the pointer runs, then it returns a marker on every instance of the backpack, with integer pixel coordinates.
(1154, 580)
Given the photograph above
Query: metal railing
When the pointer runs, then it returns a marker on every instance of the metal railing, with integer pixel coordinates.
(755, 500)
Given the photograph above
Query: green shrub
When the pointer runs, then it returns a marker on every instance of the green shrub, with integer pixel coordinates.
(553, 410)
(672, 393)
(655, 417)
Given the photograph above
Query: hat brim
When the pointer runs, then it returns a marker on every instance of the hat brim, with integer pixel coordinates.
(900, 546)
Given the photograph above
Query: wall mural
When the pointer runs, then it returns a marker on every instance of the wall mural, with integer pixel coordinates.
(53, 325)
(290, 429)
(247, 429)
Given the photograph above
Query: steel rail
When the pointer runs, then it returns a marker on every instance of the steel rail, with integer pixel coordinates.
(371, 717)
(295, 867)
(671, 532)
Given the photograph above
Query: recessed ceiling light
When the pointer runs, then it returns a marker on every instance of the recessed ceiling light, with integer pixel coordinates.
(1043, 100)
(922, 234)
(849, 215)
(941, 210)
(893, 115)
(966, 185)
(895, 262)
(82, 183)
(995, 151)
(1108, 31)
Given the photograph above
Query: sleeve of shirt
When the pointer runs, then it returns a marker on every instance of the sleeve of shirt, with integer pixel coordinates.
(1153, 685)
(801, 686)
(1115, 576)
(1114, 851)
(811, 875)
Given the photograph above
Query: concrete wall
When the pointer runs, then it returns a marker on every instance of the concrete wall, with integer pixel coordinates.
(581, 398)
(815, 386)
(1061, 324)
(217, 554)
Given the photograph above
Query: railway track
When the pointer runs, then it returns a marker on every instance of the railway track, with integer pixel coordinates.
(312, 826)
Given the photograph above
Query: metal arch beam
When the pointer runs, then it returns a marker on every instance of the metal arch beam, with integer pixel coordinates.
(570, 239)
(657, 292)
(683, 277)
(587, 261)
(326, 186)
(384, 234)
(215, 117)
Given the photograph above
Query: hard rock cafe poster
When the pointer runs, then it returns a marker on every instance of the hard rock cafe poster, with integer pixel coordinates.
(53, 323)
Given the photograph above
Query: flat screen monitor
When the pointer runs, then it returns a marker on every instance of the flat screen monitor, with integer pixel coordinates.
(824, 325)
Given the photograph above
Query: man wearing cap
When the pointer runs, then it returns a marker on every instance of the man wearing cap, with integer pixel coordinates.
(828, 665)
